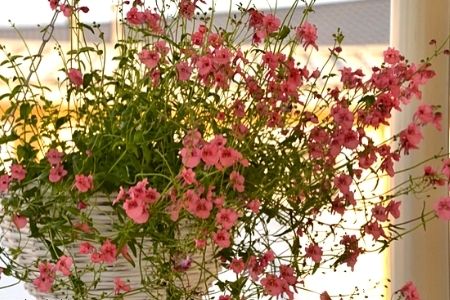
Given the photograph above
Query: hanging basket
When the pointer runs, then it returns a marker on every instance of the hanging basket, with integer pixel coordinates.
(195, 279)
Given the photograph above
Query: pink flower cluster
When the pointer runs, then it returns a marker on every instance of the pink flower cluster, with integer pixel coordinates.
(18, 173)
(214, 153)
(106, 254)
(263, 25)
(274, 285)
(75, 77)
(409, 291)
(307, 35)
(138, 198)
(314, 252)
(147, 17)
(121, 286)
(381, 214)
(66, 9)
(351, 250)
(203, 207)
(47, 273)
(84, 183)
(57, 171)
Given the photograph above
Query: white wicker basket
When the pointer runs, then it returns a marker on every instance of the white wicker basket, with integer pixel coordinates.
(103, 218)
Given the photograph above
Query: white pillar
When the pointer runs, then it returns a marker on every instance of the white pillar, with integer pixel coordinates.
(423, 256)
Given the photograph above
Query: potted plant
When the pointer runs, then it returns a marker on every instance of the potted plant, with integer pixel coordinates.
(195, 153)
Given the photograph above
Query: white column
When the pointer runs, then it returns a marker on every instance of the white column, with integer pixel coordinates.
(423, 256)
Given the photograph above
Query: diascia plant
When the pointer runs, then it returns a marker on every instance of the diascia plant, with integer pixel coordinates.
(204, 145)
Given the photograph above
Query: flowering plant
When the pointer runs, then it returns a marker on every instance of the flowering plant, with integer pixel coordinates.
(259, 157)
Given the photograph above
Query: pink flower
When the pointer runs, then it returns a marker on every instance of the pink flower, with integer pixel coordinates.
(18, 172)
(214, 40)
(44, 284)
(237, 180)
(197, 38)
(237, 265)
(410, 137)
(108, 252)
(83, 227)
(153, 20)
(254, 268)
(391, 56)
(81, 205)
(374, 229)
(200, 244)
(75, 77)
(226, 217)
(204, 65)
(84, 183)
(210, 154)
(409, 291)
(380, 213)
(186, 9)
(46, 277)
(442, 208)
(228, 157)
(307, 34)
(184, 71)
(254, 205)
(182, 264)
(424, 114)
(314, 252)
(325, 296)
(143, 194)
(96, 257)
(394, 208)
(20, 221)
(120, 285)
(85, 248)
(188, 176)
(54, 156)
(64, 265)
(268, 257)
(342, 182)
(4, 182)
(66, 10)
(120, 196)
(272, 285)
(53, 4)
(135, 17)
(56, 173)
(136, 210)
(271, 23)
(446, 168)
(199, 207)
(287, 273)
(149, 58)
(190, 157)
(222, 238)
(437, 119)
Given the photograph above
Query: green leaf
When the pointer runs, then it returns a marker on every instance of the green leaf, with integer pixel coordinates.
(26, 152)
(60, 121)
(55, 252)
(283, 32)
(369, 100)
(87, 79)
(9, 138)
(87, 27)
(25, 110)
(4, 96)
